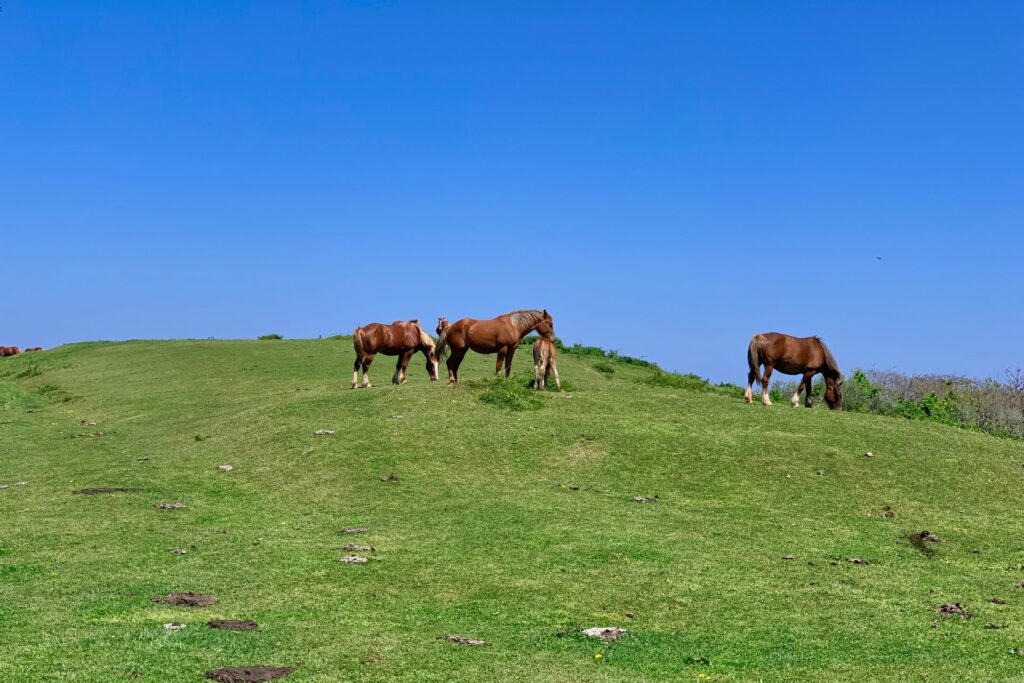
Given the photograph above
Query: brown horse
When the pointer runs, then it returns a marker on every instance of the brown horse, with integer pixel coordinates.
(9, 351)
(544, 363)
(400, 338)
(805, 356)
(34, 349)
(499, 335)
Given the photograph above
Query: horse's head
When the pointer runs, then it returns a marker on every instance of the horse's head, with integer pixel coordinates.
(834, 392)
(427, 347)
(546, 326)
(442, 325)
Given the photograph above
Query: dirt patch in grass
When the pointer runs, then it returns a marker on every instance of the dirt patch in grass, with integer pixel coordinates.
(233, 624)
(462, 640)
(953, 610)
(389, 478)
(644, 499)
(170, 506)
(607, 633)
(354, 530)
(352, 559)
(105, 489)
(355, 547)
(248, 674)
(185, 599)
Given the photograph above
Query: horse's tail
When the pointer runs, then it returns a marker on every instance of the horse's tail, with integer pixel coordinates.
(831, 366)
(754, 356)
(441, 349)
(357, 344)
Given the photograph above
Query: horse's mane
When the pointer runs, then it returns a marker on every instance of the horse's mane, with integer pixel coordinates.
(526, 316)
(425, 338)
(830, 361)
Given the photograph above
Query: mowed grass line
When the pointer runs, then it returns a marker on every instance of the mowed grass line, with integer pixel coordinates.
(513, 527)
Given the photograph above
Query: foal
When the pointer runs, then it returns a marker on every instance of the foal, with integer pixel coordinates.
(544, 363)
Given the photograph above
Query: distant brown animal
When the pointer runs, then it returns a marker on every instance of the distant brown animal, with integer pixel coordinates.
(34, 349)
(9, 351)
(442, 325)
(400, 338)
(805, 356)
(500, 335)
(544, 363)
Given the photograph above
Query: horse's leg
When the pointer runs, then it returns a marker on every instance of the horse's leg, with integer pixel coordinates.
(454, 361)
(748, 395)
(499, 361)
(538, 370)
(808, 399)
(397, 377)
(795, 401)
(554, 369)
(367, 359)
(508, 360)
(405, 364)
(355, 371)
(765, 379)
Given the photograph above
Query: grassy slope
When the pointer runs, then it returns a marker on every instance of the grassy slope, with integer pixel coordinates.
(480, 536)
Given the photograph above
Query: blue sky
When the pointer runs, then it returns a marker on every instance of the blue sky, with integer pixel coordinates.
(666, 178)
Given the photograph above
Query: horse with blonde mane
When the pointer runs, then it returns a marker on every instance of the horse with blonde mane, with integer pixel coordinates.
(544, 363)
(500, 335)
(805, 356)
(400, 338)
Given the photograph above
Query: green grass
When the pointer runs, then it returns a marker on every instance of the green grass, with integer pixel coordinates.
(510, 525)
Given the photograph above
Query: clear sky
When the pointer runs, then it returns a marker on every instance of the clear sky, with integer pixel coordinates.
(666, 178)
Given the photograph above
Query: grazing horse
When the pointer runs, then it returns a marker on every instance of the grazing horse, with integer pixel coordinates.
(400, 338)
(34, 349)
(805, 356)
(9, 351)
(499, 335)
(544, 363)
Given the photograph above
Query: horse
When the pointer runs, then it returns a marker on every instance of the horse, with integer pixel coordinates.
(9, 351)
(33, 349)
(400, 338)
(544, 363)
(805, 356)
(500, 335)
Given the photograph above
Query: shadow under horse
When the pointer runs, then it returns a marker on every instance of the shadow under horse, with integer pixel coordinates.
(806, 356)
(500, 335)
(400, 338)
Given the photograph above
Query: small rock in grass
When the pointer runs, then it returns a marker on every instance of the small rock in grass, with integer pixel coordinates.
(644, 499)
(1017, 652)
(178, 551)
(631, 615)
(789, 557)
(87, 423)
(869, 454)
(354, 530)
(225, 468)
(922, 536)
(355, 547)
(389, 478)
(324, 432)
(13, 483)
(462, 640)
(608, 633)
(992, 626)
(857, 560)
(169, 506)
(353, 559)
(173, 626)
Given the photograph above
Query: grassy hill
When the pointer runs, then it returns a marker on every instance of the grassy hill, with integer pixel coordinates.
(512, 526)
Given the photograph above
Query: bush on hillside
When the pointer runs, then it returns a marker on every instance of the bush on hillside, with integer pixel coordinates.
(270, 336)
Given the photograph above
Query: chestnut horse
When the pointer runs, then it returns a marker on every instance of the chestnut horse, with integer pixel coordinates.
(400, 338)
(499, 335)
(544, 363)
(805, 356)
(9, 351)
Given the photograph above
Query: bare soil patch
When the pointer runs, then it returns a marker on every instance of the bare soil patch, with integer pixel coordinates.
(169, 506)
(607, 633)
(233, 624)
(462, 640)
(185, 599)
(356, 548)
(353, 559)
(105, 489)
(354, 530)
(248, 674)
(953, 610)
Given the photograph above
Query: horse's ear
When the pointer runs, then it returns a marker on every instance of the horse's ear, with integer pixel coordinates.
(415, 322)
(546, 314)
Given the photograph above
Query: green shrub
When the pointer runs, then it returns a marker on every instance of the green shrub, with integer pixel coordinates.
(605, 368)
(270, 336)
